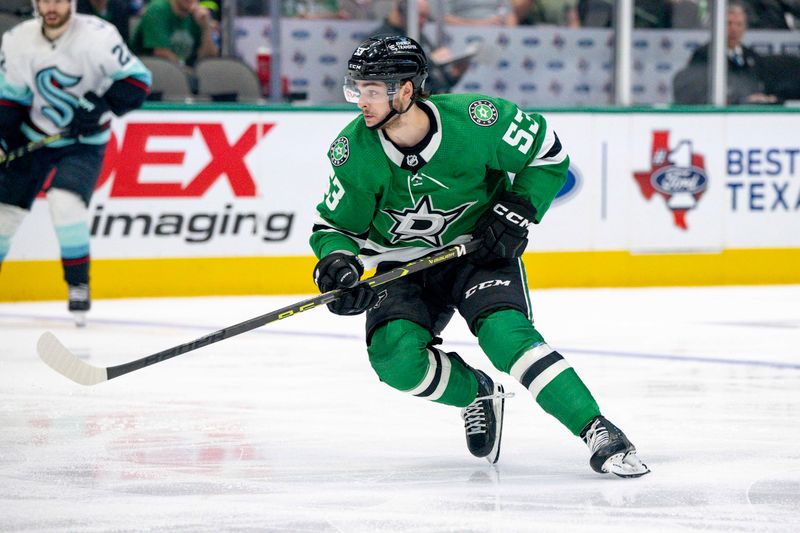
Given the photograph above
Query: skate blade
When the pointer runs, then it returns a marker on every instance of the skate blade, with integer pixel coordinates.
(80, 318)
(626, 466)
(499, 408)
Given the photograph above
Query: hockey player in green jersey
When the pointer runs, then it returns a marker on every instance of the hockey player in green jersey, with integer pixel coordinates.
(415, 173)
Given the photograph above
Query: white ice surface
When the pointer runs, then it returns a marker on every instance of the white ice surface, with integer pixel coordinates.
(286, 428)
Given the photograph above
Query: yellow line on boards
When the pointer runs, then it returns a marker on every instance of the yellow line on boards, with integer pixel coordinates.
(122, 278)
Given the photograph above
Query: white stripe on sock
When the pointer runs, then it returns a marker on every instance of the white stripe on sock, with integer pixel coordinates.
(544, 379)
(528, 359)
(444, 380)
(428, 379)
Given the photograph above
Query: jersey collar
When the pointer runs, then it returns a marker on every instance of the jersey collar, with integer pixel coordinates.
(397, 157)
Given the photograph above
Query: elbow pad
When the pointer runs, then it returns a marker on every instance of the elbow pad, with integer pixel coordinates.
(126, 95)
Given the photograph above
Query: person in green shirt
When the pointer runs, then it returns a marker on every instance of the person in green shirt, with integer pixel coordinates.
(416, 173)
(180, 31)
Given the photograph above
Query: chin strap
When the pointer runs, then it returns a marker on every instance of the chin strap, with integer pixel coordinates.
(392, 112)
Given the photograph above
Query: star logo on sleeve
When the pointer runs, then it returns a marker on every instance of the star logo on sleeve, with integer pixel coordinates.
(339, 151)
(483, 112)
(423, 222)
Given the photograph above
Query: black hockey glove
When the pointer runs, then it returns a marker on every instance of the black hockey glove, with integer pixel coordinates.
(342, 271)
(503, 229)
(87, 115)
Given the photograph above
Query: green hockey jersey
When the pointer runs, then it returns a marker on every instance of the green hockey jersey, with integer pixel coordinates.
(404, 203)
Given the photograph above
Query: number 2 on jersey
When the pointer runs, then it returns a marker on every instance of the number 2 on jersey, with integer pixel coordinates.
(123, 55)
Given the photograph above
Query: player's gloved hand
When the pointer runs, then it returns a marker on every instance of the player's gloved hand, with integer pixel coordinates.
(86, 120)
(342, 271)
(503, 229)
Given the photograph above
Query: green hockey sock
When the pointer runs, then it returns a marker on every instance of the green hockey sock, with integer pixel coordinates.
(556, 387)
(514, 345)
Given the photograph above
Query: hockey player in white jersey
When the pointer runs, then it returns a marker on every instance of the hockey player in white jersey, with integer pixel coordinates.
(62, 73)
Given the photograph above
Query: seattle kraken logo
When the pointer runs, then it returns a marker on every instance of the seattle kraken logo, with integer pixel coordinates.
(51, 83)
(423, 222)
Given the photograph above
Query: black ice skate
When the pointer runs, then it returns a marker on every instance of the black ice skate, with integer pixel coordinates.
(483, 419)
(79, 303)
(612, 452)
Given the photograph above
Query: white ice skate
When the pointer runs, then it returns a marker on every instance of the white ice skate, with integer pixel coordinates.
(612, 452)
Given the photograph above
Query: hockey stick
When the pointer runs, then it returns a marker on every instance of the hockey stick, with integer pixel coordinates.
(60, 359)
(28, 148)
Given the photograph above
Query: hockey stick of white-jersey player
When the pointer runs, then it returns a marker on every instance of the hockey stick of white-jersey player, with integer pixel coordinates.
(44, 141)
(60, 359)
(28, 148)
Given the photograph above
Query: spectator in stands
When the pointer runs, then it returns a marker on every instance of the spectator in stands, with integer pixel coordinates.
(773, 14)
(549, 12)
(135, 7)
(745, 85)
(525, 12)
(181, 31)
(443, 73)
(114, 11)
(313, 9)
(214, 7)
(358, 9)
(560, 12)
(479, 13)
(689, 14)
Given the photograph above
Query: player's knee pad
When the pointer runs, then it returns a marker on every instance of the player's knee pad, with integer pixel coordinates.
(505, 335)
(398, 353)
(402, 357)
(10, 218)
(70, 214)
(66, 207)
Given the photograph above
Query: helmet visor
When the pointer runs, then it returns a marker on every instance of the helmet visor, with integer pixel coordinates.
(368, 91)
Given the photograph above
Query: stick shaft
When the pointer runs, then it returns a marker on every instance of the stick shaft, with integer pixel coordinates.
(28, 148)
(447, 254)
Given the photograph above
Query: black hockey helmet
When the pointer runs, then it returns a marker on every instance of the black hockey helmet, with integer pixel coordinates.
(389, 59)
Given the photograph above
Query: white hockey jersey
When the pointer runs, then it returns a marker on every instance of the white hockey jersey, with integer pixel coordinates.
(50, 77)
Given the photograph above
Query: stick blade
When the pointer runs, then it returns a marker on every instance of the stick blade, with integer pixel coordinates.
(59, 358)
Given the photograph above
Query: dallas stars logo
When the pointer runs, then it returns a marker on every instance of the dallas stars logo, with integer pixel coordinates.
(483, 112)
(423, 222)
(339, 151)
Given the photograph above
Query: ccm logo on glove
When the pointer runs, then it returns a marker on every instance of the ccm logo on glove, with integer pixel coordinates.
(503, 229)
(511, 216)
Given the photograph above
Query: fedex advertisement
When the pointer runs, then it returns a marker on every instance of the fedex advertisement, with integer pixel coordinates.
(186, 184)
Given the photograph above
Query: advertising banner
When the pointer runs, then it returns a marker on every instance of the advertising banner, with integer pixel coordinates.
(184, 184)
(223, 184)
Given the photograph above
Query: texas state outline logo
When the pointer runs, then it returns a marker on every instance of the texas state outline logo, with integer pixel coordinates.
(677, 174)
